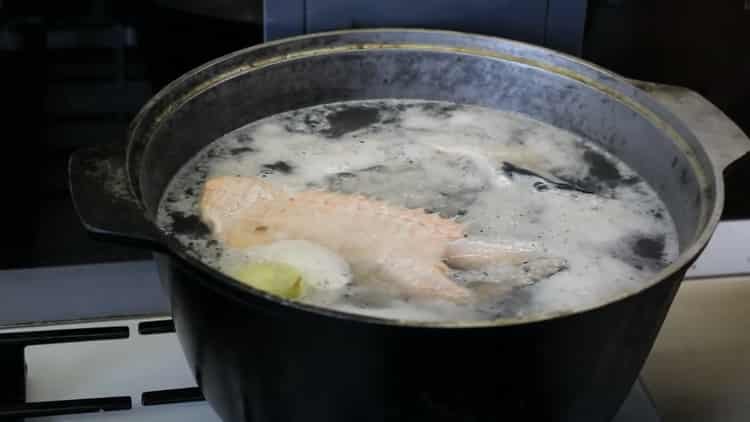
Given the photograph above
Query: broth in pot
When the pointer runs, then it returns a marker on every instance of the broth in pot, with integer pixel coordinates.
(420, 210)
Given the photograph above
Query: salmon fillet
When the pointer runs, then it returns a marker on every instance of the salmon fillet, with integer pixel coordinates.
(402, 247)
(391, 244)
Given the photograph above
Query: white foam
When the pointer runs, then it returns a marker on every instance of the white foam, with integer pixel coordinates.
(451, 162)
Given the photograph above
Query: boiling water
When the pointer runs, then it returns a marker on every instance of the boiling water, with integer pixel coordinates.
(506, 177)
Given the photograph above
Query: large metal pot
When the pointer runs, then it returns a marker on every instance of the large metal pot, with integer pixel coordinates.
(259, 358)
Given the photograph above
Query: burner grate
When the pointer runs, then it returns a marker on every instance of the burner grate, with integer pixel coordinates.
(177, 395)
(156, 327)
(13, 405)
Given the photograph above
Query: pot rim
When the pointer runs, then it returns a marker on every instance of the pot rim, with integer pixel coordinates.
(661, 118)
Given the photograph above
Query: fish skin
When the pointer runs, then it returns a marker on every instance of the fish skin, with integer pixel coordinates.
(397, 245)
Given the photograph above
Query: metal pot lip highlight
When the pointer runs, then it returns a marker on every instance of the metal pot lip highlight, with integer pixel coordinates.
(600, 79)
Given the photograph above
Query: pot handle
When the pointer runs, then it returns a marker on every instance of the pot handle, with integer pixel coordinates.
(723, 140)
(103, 200)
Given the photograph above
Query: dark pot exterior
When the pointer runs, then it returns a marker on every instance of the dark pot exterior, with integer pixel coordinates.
(254, 364)
(259, 359)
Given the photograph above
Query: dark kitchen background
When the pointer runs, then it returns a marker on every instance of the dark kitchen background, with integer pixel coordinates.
(74, 73)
